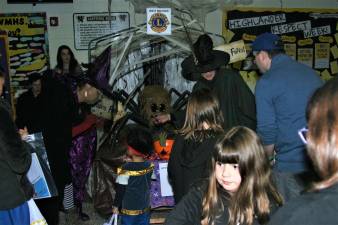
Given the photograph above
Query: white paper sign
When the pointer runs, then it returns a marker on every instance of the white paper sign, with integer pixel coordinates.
(305, 55)
(166, 189)
(235, 49)
(317, 31)
(257, 21)
(37, 178)
(291, 27)
(322, 55)
(159, 21)
(88, 26)
(104, 108)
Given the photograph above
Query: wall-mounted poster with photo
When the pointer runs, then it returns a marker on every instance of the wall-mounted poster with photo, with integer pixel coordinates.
(28, 47)
(310, 36)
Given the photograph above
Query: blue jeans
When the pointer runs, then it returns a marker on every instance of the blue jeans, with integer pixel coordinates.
(18, 215)
(142, 219)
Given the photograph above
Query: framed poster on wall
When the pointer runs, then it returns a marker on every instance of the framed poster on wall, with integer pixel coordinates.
(28, 47)
(89, 26)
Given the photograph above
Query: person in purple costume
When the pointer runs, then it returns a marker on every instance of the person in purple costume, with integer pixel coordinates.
(83, 146)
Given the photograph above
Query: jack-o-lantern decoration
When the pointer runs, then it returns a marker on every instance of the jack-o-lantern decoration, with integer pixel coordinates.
(163, 146)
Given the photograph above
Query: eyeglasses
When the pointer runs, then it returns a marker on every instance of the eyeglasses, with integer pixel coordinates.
(302, 134)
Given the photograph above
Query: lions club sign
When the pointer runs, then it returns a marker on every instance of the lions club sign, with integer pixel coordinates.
(159, 21)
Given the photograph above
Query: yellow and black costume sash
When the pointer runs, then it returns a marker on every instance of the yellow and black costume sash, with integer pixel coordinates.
(121, 171)
(134, 212)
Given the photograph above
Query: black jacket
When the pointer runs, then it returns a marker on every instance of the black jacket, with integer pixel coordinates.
(189, 161)
(59, 112)
(237, 102)
(15, 160)
(312, 208)
(29, 112)
(189, 209)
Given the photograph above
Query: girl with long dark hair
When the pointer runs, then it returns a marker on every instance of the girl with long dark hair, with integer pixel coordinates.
(239, 190)
(192, 149)
(66, 62)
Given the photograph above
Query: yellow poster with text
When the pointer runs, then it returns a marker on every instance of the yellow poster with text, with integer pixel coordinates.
(28, 45)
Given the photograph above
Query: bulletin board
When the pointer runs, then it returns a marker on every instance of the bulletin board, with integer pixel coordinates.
(28, 47)
(309, 36)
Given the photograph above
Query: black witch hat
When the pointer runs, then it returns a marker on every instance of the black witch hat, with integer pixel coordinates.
(206, 59)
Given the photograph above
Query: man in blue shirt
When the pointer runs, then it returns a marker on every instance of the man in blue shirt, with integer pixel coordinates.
(281, 97)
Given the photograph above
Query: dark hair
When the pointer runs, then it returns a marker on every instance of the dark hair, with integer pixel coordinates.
(140, 139)
(240, 145)
(203, 107)
(73, 62)
(322, 136)
(34, 77)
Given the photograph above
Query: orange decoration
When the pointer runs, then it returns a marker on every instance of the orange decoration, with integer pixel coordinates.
(163, 150)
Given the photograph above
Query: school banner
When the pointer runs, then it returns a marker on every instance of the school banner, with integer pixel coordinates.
(28, 47)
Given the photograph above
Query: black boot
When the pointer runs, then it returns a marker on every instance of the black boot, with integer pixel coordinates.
(83, 216)
(62, 208)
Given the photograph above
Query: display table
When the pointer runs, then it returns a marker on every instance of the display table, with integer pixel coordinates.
(160, 193)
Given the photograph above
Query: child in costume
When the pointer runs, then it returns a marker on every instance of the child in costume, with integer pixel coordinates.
(132, 200)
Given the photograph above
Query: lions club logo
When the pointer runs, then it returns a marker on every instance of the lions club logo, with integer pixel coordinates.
(158, 22)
